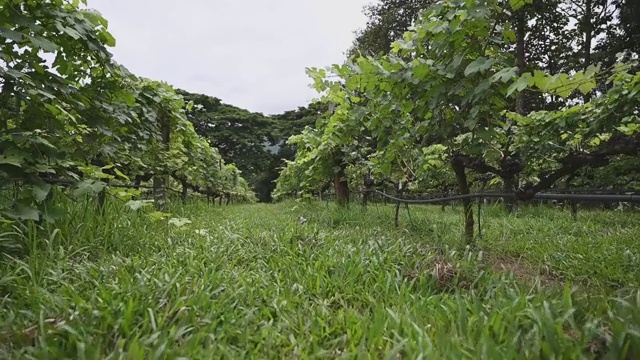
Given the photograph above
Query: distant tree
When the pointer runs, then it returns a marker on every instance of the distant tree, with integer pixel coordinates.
(285, 125)
(254, 142)
(622, 34)
(387, 21)
(241, 136)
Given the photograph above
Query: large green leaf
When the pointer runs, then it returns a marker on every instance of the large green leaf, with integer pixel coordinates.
(43, 43)
(40, 191)
(11, 160)
(478, 65)
(23, 212)
(11, 34)
(88, 187)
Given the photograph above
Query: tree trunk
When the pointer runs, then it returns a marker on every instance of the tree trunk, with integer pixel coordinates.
(160, 193)
(520, 57)
(510, 181)
(161, 181)
(102, 199)
(395, 220)
(467, 204)
(509, 186)
(588, 39)
(340, 184)
(368, 186)
(573, 206)
(137, 183)
(185, 191)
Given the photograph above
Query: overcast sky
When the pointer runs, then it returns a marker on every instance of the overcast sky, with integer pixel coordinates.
(249, 53)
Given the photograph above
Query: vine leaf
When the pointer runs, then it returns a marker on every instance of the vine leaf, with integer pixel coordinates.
(505, 74)
(91, 187)
(517, 4)
(179, 222)
(541, 80)
(11, 160)
(43, 43)
(137, 204)
(479, 64)
(40, 191)
(23, 212)
(523, 81)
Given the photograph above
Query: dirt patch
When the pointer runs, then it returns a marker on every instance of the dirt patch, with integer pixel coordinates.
(443, 273)
(524, 271)
(447, 274)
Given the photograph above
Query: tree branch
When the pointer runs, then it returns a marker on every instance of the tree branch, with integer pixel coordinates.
(626, 145)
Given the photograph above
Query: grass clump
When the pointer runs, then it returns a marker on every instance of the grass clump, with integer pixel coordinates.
(249, 281)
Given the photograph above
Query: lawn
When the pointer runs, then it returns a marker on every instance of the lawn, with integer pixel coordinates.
(250, 281)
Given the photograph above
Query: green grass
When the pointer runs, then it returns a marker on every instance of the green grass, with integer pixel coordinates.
(247, 281)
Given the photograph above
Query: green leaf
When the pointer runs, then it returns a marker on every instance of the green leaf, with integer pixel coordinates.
(591, 70)
(562, 85)
(23, 212)
(505, 74)
(53, 213)
(541, 80)
(14, 73)
(109, 40)
(517, 4)
(486, 134)
(40, 191)
(408, 106)
(43, 43)
(585, 84)
(158, 215)
(67, 30)
(493, 154)
(88, 187)
(11, 35)
(179, 222)
(508, 35)
(11, 160)
(120, 174)
(455, 63)
(520, 84)
(137, 204)
(479, 64)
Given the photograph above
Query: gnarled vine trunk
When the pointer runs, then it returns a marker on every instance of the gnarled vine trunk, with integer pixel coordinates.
(467, 204)
(161, 181)
(509, 186)
(185, 191)
(510, 179)
(340, 183)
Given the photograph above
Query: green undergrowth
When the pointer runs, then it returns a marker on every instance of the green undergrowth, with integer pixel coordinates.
(251, 281)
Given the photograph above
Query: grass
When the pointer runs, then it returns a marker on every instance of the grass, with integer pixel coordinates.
(248, 281)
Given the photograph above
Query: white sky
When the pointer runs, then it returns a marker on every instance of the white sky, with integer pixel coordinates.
(249, 53)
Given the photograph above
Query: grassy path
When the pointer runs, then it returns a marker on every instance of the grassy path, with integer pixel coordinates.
(249, 282)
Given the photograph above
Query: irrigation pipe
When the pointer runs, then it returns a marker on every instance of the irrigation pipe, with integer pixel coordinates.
(631, 198)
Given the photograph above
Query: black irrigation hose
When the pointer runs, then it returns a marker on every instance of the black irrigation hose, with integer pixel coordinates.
(633, 198)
